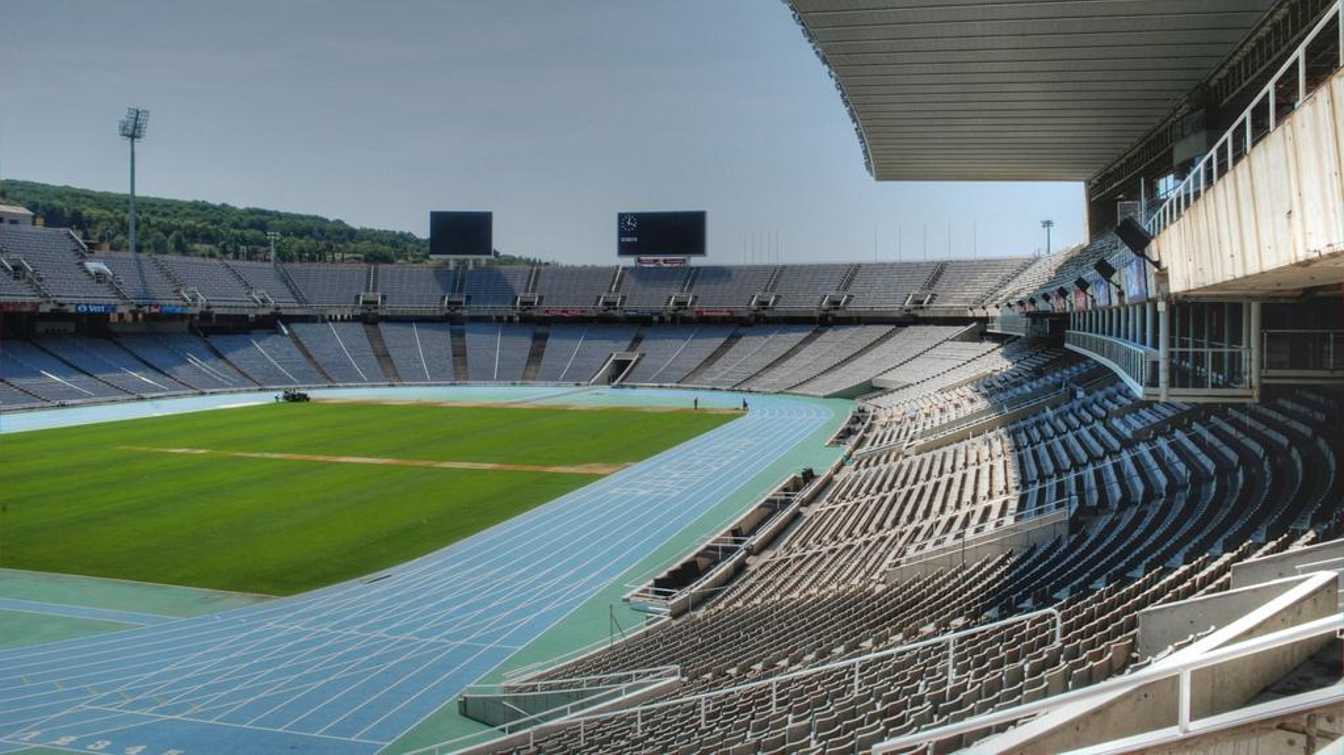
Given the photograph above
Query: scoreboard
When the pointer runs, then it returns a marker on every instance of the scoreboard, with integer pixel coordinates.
(660, 234)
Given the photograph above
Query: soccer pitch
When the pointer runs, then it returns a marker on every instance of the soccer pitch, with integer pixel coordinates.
(283, 498)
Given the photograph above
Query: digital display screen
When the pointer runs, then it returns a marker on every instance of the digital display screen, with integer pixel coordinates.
(461, 234)
(660, 234)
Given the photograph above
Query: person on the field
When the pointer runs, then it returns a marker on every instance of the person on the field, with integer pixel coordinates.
(695, 403)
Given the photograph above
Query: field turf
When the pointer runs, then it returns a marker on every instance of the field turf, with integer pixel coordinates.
(81, 500)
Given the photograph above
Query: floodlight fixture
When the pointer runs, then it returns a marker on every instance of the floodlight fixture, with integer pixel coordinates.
(1047, 224)
(133, 128)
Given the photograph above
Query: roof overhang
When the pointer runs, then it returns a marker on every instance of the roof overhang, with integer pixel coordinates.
(1040, 90)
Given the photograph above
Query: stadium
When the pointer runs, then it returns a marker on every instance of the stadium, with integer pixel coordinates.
(1086, 501)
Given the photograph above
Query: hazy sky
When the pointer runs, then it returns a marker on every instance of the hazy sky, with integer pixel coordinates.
(555, 114)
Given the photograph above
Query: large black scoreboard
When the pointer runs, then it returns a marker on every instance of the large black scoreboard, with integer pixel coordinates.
(461, 234)
(660, 234)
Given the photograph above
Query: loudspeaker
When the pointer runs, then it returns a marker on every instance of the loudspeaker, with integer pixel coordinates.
(1104, 268)
(1135, 236)
(1081, 284)
(1062, 292)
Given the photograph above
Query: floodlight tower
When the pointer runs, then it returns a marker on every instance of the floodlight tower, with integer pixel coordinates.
(273, 236)
(1047, 224)
(133, 128)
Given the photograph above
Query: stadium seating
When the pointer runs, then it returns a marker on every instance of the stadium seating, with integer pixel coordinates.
(903, 346)
(730, 287)
(187, 359)
(269, 359)
(829, 349)
(966, 283)
(329, 285)
(57, 260)
(563, 287)
(341, 349)
(422, 352)
(574, 353)
(670, 353)
(415, 286)
(1187, 503)
(141, 277)
(105, 360)
(887, 285)
(211, 278)
(263, 276)
(652, 287)
(37, 373)
(754, 350)
(495, 287)
(497, 351)
(803, 286)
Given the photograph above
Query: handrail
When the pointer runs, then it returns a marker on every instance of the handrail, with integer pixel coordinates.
(537, 687)
(1194, 184)
(1175, 667)
(773, 682)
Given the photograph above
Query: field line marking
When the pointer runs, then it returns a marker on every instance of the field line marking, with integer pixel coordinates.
(579, 469)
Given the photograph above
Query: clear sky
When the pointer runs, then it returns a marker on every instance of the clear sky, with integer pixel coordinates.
(556, 114)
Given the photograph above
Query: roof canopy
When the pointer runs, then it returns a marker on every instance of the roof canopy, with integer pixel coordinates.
(1015, 89)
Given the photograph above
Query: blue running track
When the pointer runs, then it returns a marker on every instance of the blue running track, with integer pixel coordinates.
(350, 668)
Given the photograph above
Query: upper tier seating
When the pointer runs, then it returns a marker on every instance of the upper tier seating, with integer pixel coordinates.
(342, 349)
(263, 276)
(803, 286)
(422, 352)
(497, 351)
(827, 350)
(966, 283)
(215, 281)
(329, 285)
(887, 285)
(651, 287)
(730, 287)
(573, 286)
(269, 359)
(186, 358)
(574, 353)
(140, 276)
(415, 286)
(58, 261)
(495, 286)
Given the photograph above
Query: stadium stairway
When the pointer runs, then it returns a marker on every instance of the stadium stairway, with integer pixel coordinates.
(710, 361)
(535, 352)
(380, 352)
(308, 355)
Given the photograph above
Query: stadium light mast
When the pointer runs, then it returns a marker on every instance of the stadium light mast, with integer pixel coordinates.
(132, 129)
(273, 236)
(1047, 224)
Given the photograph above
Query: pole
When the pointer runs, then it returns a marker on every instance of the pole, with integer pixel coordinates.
(132, 223)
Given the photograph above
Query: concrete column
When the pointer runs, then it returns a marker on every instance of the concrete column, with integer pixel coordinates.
(1255, 340)
(1150, 322)
(1163, 349)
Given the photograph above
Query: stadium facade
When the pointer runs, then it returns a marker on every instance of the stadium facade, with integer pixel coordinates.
(1089, 501)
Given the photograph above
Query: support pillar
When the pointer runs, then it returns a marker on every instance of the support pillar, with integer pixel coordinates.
(1163, 349)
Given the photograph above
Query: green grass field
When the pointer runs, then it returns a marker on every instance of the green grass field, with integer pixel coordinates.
(75, 500)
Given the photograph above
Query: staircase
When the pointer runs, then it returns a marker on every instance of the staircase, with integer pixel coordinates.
(774, 278)
(458, 336)
(803, 344)
(535, 353)
(371, 280)
(533, 276)
(848, 279)
(290, 284)
(375, 335)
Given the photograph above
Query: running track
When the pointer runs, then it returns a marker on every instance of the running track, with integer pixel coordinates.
(350, 668)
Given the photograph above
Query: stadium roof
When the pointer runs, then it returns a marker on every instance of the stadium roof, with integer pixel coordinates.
(1015, 89)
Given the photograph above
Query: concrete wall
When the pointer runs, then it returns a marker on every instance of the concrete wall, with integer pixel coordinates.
(1214, 690)
(1281, 565)
(1282, 207)
(1162, 626)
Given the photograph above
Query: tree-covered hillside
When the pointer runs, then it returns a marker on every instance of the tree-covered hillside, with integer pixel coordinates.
(175, 226)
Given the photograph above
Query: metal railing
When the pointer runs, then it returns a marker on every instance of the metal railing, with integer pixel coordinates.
(1291, 350)
(1182, 669)
(1219, 161)
(1135, 361)
(704, 699)
(1209, 367)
